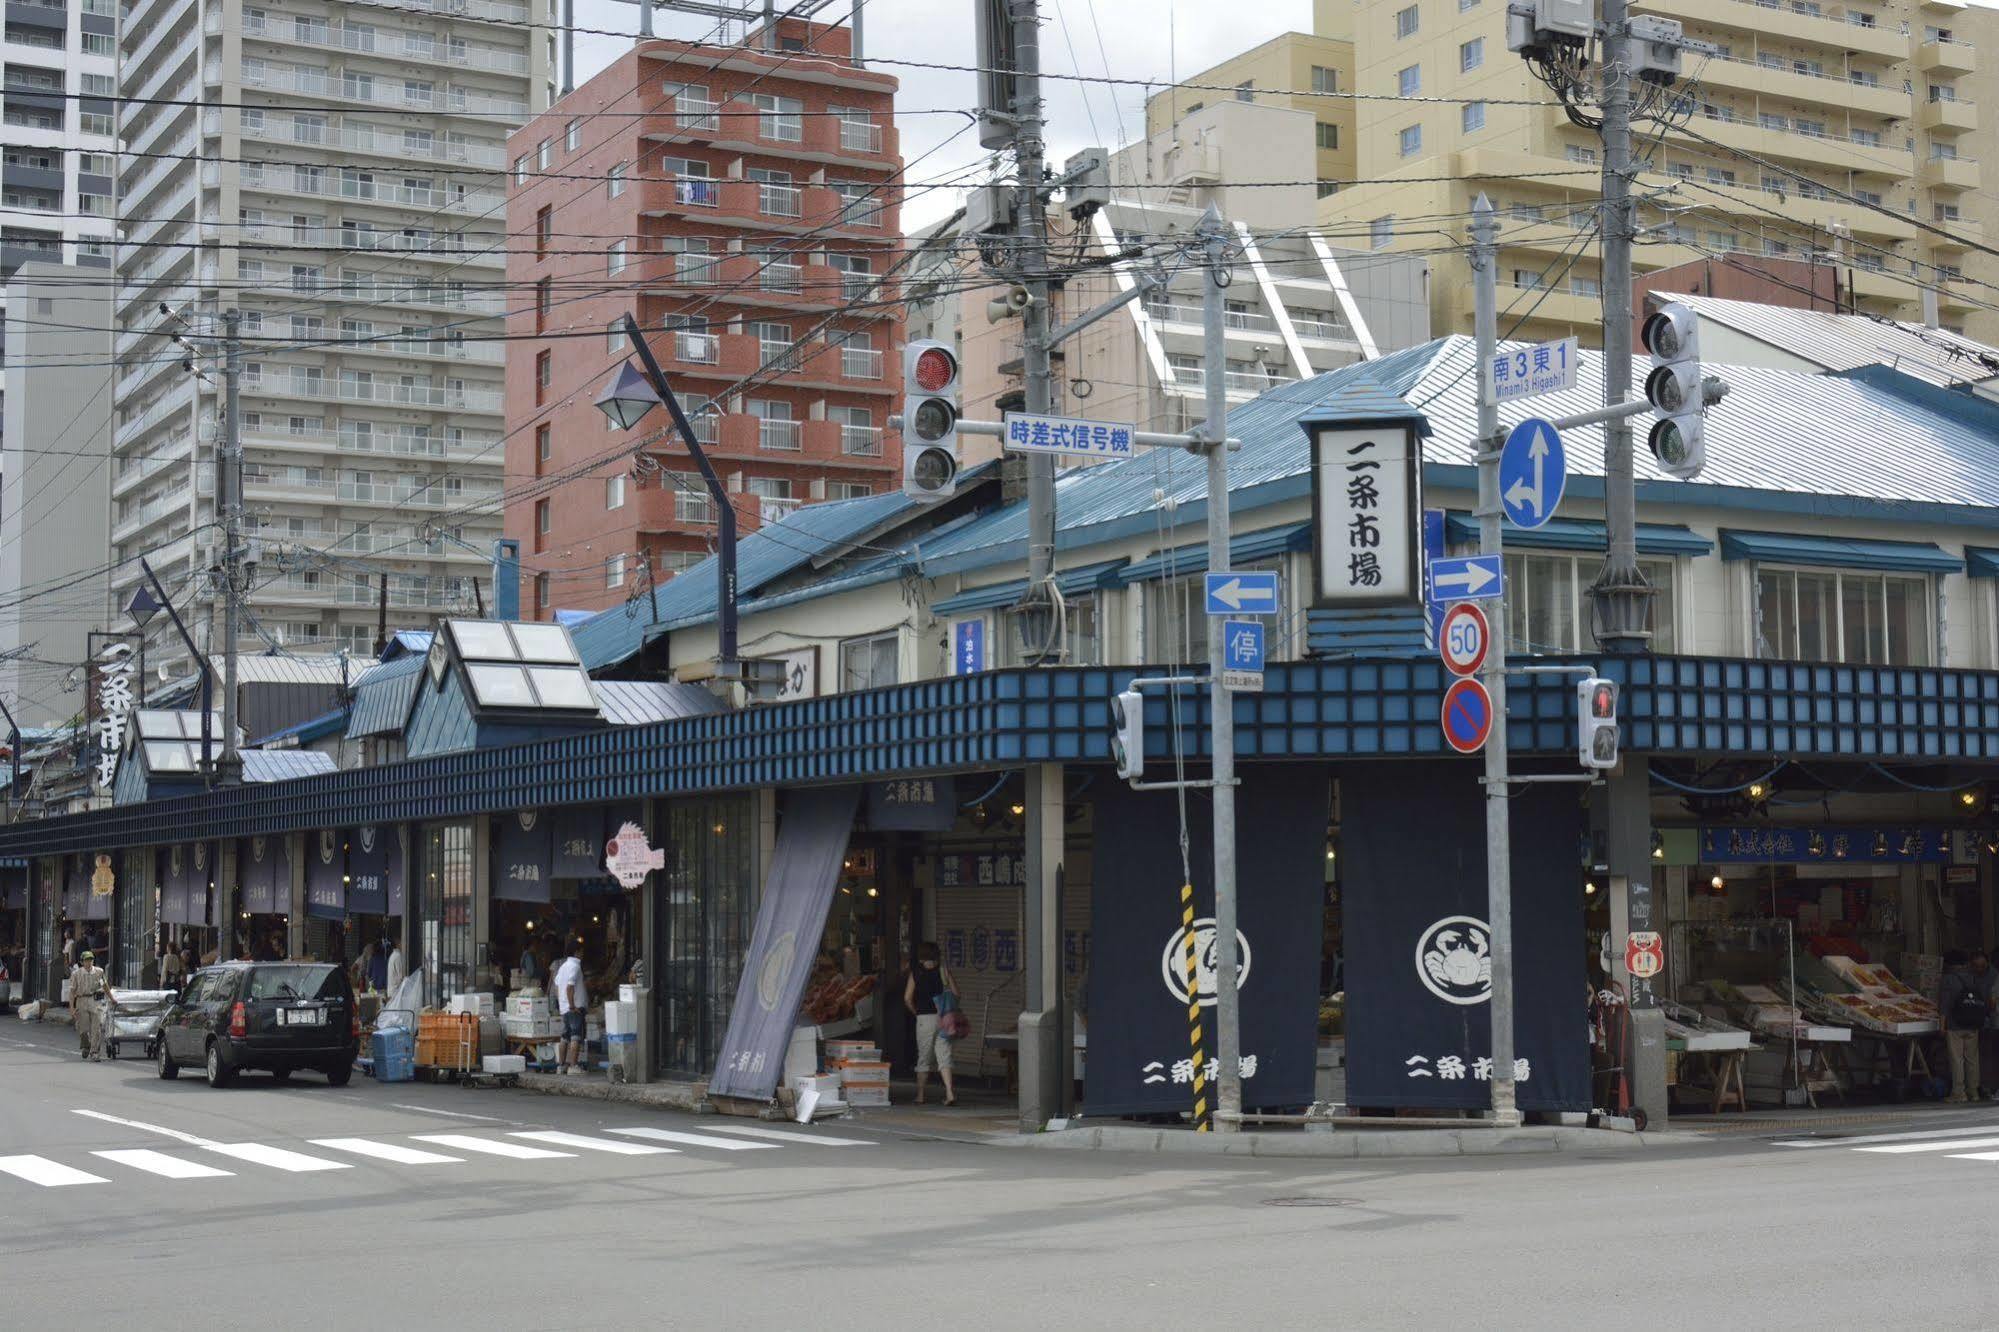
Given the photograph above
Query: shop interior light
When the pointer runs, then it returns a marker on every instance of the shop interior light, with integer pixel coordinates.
(1969, 799)
(1658, 845)
(1717, 883)
(530, 924)
(1757, 790)
(1018, 810)
(874, 892)
(1589, 888)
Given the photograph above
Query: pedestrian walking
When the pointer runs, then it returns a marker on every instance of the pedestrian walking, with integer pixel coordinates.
(173, 969)
(572, 997)
(1966, 1006)
(89, 993)
(920, 995)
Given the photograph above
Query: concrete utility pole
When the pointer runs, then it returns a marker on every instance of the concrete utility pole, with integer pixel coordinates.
(1228, 1013)
(230, 486)
(1032, 262)
(1498, 809)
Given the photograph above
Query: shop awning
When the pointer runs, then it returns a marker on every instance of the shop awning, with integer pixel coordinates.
(1582, 534)
(1194, 559)
(1838, 553)
(1981, 563)
(1072, 582)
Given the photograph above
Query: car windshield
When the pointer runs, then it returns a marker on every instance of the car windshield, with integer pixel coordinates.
(295, 982)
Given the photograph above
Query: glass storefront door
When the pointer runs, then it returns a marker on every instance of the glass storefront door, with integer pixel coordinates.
(444, 937)
(707, 908)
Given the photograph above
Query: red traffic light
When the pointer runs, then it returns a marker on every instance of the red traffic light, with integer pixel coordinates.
(935, 368)
(1603, 701)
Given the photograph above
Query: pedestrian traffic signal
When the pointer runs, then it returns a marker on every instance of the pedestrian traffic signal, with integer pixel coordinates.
(929, 421)
(1596, 723)
(1128, 733)
(1674, 389)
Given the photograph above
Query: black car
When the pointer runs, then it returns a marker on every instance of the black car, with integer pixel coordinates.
(278, 1016)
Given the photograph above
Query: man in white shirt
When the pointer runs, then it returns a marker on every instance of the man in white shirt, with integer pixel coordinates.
(572, 998)
(398, 968)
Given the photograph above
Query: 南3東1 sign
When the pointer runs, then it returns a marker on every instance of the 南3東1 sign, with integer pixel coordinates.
(1528, 372)
(1366, 493)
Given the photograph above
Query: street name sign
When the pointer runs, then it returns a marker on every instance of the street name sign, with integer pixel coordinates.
(1528, 372)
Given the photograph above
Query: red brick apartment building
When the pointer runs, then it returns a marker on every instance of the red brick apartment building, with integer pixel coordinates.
(742, 203)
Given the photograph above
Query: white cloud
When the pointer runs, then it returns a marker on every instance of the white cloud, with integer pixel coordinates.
(1134, 39)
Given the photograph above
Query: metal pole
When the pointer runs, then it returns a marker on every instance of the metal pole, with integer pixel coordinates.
(1228, 1015)
(857, 55)
(568, 56)
(1033, 266)
(1498, 833)
(231, 484)
(1621, 596)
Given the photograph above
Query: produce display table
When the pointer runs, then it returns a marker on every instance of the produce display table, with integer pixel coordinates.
(1719, 1076)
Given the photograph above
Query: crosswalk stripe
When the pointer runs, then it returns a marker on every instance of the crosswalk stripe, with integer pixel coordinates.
(1886, 1137)
(159, 1163)
(387, 1151)
(579, 1141)
(47, 1173)
(696, 1140)
(463, 1143)
(790, 1135)
(1945, 1145)
(1975, 1156)
(278, 1158)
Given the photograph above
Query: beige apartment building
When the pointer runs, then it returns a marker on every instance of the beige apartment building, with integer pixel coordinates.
(1871, 98)
(1293, 70)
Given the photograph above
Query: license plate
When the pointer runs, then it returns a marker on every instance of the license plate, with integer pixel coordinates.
(301, 1017)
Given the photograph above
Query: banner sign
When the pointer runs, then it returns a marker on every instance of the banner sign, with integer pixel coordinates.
(1418, 950)
(174, 873)
(325, 876)
(1366, 495)
(114, 663)
(392, 876)
(1140, 1060)
(804, 871)
(523, 857)
(579, 841)
(264, 868)
(913, 804)
(368, 849)
(1902, 845)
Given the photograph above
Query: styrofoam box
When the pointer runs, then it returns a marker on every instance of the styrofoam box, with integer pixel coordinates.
(826, 1084)
(628, 994)
(528, 1006)
(525, 1027)
(620, 1019)
(504, 1064)
(837, 1050)
(478, 1005)
(867, 1096)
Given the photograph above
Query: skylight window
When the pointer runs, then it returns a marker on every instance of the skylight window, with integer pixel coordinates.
(527, 666)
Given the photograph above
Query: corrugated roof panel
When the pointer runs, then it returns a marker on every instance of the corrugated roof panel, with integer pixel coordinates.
(382, 699)
(1847, 341)
(281, 765)
(636, 702)
(265, 669)
(1582, 534)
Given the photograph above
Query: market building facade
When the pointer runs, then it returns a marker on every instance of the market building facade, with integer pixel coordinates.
(1817, 727)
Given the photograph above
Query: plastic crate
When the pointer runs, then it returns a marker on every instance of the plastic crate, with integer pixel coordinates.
(393, 1051)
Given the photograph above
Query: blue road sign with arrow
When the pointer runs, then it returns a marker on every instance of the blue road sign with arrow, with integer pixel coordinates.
(1465, 578)
(1253, 593)
(1533, 472)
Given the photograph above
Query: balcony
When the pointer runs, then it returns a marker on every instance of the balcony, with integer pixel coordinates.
(778, 436)
(1948, 173)
(858, 136)
(1942, 115)
(491, 11)
(786, 279)
(1965, 232)
(779, 200)
(389, 42)
(1946, 57)
(1825, 152)
(860, 363)
(1786, 22)
(1324, 329)
(1788, 81)
(327, 183)
(861, 441)
(773, 508)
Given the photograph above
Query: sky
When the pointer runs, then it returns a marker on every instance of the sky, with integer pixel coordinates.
(1148, 39)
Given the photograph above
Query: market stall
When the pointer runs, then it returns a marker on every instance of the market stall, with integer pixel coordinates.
(264, 876)
(1742, 973)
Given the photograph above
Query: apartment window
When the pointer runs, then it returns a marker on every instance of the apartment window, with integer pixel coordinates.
(1325, 80)
(1943, 92)
(1411, 140)
(691, 503)
(100, 44)
(572, 135)
(544, 304)
(614, 184)
(544, 444)
(870, 663)
(1770, 120)
(1527, 279)
(1328, 188)
(1380, 232)
(1720, 176)
(541, 591)
(1246, 91)
(1585, 286)
(1405, 22)
(1471, 54)
(541, 517)
(544, 374)
(1329, 135)
(542, 156)
(1465, 6)
(1409, 81)
(841, 490)
(1858, 618)
(1547, 602)
(615, 257)
(521, 169)
(779, 118)
(544, 230)
(614, 491)
(1471, 117)
(614, 571)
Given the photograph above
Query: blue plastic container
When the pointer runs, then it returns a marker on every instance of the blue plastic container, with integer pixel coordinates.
(394, 1053)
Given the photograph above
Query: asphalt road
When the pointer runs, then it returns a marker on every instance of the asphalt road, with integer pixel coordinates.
(385, 1206)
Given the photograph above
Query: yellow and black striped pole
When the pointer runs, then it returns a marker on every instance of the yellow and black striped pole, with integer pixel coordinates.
(1202, 1123)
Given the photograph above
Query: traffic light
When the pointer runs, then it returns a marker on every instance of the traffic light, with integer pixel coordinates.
(1596, 723)
(1128, 733)
(1674, 389)
(929, 421)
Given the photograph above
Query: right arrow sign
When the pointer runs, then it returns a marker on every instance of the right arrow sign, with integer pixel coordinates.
(1465, 578)
(1533, 472)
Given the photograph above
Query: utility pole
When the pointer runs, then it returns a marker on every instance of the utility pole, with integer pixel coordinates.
(1032, 261)
(1498, 810)
(1221, 700)
(229, 484)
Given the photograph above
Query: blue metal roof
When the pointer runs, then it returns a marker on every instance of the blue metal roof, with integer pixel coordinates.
(1836, 552)
(382, 697)
(1582, 534)
(1184, 560)
(305, 732)
(638, 702)
(1070, 582)
(281, 765)
(1982, 563)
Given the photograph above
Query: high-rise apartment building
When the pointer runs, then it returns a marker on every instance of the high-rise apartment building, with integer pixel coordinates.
(743, 207)
(343, 188)
(1806, 101)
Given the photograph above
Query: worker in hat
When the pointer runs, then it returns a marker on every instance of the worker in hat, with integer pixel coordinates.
(89, 997)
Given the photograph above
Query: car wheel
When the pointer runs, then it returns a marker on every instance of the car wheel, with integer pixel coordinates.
(281, 1075)
(169, 1070)
(219, 1073)
(340, 1075)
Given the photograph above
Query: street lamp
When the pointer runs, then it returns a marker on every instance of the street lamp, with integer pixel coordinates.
(630, 395)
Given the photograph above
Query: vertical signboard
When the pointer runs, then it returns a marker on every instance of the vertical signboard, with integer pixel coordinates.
(1366, 529)
(111, 686)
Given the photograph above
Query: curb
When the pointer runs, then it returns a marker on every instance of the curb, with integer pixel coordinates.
(690, 1098)
(1353, 1143)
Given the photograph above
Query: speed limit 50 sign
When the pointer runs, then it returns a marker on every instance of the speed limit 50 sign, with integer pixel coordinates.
(1463, 637)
